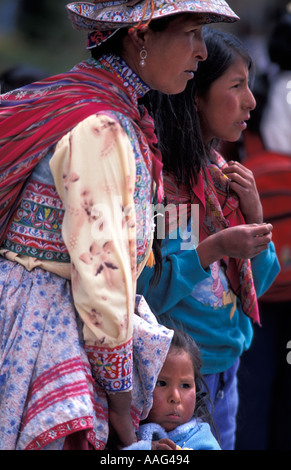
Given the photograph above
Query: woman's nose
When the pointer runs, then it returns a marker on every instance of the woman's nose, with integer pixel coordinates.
(202, 53)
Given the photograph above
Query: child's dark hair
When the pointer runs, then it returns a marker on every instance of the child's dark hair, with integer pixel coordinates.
(203, 410)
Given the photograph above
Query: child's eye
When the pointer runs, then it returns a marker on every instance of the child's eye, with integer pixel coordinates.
(185, 385)
(160, 383)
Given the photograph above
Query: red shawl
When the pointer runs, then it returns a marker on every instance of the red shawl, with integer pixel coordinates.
(35, 117)
(218, 209)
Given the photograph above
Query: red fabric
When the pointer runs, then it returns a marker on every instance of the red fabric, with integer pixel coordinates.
(272, 172)
(218, 209)
(36, 117)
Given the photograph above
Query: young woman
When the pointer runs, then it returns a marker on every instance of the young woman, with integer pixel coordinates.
(211, 286)
(77, 156)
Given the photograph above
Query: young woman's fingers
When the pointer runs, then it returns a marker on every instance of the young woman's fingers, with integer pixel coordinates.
(261, 229)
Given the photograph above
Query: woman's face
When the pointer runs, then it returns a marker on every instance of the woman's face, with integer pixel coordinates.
(226, 106)
(173, 54)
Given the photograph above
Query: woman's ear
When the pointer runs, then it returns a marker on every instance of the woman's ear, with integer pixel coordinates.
(137, 36)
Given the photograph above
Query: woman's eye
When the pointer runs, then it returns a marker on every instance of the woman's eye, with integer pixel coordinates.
(194, 31)
(197, 33)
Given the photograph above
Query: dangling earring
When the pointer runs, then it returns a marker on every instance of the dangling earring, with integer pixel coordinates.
(143, 55)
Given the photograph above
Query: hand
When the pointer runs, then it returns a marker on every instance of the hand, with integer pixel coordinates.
(242, 241)
(163, 444)
(122, 429)
(243, 183)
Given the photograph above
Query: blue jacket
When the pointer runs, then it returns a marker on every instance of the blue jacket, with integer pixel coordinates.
(189, 296)
(194, 435)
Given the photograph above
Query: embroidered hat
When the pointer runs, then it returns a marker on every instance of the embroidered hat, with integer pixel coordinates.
(109, 16)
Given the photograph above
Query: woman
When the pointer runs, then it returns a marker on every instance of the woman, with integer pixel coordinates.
(211, 287)
(82, 155)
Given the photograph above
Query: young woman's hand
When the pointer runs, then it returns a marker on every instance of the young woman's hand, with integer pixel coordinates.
(245, 241)
(242, 241)
(122, 430)
(243, 183)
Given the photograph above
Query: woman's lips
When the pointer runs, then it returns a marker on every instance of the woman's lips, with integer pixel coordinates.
(190, 73)
(242, 125)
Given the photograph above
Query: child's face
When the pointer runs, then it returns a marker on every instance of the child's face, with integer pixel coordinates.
(174, 397)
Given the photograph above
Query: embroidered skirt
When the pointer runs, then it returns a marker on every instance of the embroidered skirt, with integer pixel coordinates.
(47, 391)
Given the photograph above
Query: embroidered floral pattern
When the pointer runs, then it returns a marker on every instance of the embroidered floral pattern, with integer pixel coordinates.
(99, 257)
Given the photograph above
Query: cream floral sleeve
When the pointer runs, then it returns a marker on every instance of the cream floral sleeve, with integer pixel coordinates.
(94, 171)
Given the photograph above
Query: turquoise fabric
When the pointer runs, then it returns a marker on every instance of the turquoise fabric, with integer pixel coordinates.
(222, 337)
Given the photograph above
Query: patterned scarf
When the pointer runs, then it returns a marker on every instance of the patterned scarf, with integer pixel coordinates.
(37, 116)
(218, 209)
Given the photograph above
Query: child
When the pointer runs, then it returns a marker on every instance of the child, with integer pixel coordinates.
(179, 417)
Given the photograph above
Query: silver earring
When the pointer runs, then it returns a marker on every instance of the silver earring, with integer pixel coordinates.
(143, 55)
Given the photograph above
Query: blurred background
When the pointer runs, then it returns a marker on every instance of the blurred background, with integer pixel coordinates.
(38, 34)
(37, 40)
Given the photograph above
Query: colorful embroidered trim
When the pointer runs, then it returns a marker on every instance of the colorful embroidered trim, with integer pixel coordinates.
(112, 368)
(36, 228)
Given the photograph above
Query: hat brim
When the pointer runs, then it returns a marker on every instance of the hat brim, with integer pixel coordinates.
(91, 17)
